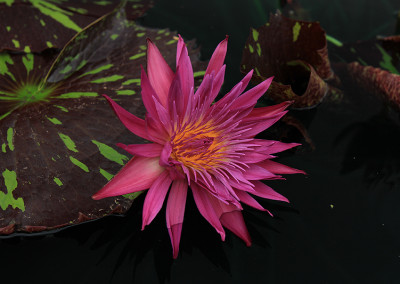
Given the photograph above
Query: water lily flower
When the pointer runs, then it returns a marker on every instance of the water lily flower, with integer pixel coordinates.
(198, 144)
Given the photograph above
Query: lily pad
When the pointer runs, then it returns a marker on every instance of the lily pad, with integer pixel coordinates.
(57, 133)
(293, 51)
(34, 25)
(374, 65)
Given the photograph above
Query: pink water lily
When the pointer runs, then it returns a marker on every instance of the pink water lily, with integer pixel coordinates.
(198, 144)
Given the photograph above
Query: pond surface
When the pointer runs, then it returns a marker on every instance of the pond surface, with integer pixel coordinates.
(343, 222)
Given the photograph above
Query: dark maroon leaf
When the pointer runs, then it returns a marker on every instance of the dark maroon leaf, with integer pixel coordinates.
(378, 81)
(295, 52)
(381, 53)
(375, 66)
(57, 133)
(34, 25)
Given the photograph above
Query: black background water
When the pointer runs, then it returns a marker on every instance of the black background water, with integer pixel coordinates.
(343, 223)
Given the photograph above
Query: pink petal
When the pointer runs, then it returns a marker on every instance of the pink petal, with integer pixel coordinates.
(156, 132)
(203, 92)
(247, 199)
(269, 110)
(138, 174)
(132, 123)
(163, 116)
(251, 96)
(253, 157)
(143, 150)
(148, 94)
(176, 100)
(256, 172)
(179, 47)
(257, 125)
(165, 153)
(278, 168)
(155, 198)
(217, 84)
(206, 209)
(175, 212)
(263, 190)
(271, 147)
(160, 74)
(218, 57)
(231, 96)
(186, 74)
(234, 222)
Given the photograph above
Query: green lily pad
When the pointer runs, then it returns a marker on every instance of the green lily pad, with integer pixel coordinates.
(34, 25)
(293, 51)
(58, 134)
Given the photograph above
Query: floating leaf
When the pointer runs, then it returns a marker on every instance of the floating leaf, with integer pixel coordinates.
(57, 134)
(34, 25)
(295, 52)
(378, 81)
(375, 66)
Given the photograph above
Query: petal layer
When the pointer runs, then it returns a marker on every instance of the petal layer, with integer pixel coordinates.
(175, 212)
(138, 174)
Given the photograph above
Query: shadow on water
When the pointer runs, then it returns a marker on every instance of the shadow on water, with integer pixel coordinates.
(121, 244)
(374, 146)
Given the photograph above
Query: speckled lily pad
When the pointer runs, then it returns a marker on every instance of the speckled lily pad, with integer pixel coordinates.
(58, 134)
(34, 25)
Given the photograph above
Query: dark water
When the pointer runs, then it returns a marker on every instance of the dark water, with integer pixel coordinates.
(343, 223)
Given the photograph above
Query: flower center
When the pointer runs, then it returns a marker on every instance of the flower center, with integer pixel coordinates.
(198, 147)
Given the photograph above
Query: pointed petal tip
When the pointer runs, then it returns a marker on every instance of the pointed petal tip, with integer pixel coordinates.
(96, 196)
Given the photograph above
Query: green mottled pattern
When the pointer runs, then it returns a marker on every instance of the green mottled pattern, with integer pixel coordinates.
(58, 181)
(98, 69)
(255, 35)
(172, 41)
(59, 15)
(251, 49)
(106, 174)
(126, 92)
(54, 120)
(386, 63)
(296, 31)
(10, 138)
(62, 108)
(16, 43)
(79, 164)
(7, 2)
(103, 3)
(334, 41)
(68, 142)
(132, 196)
(27, 60)
(131, 81)
(258, 46)
(199, 74)
(136, 56)
(7, 199)
(112, 78)
(5, 59)
(75, 95)
(110, 153)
